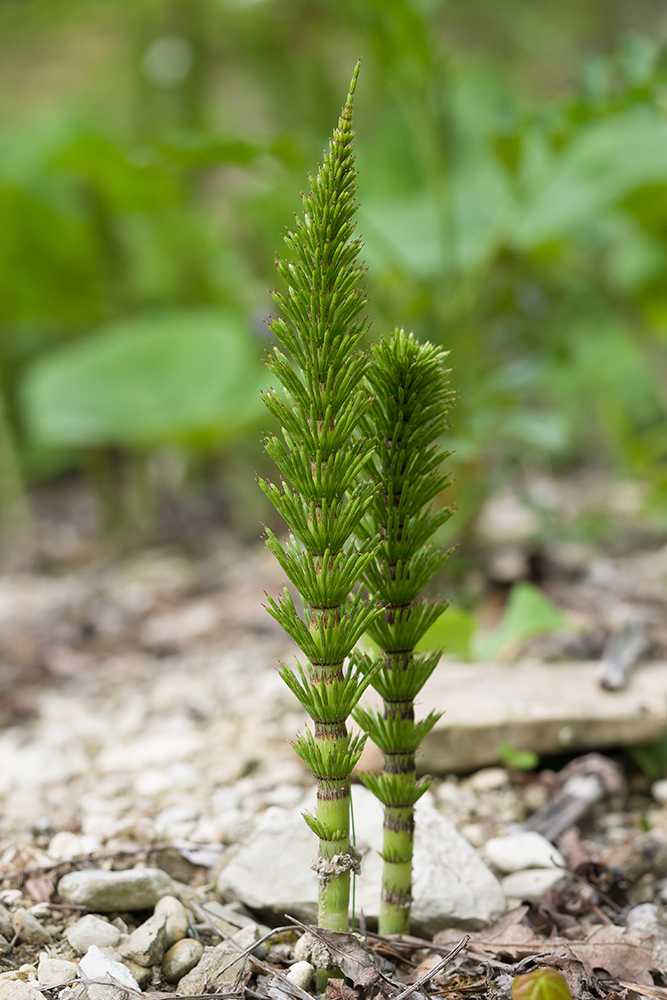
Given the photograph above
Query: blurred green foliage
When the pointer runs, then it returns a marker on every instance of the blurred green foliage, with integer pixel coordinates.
(513, 184)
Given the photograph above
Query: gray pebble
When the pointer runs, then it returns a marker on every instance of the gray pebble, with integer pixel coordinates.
(181, 958)
(146, 945)
(107, 892)
(29, 928)
(91, 930)
(176, 919)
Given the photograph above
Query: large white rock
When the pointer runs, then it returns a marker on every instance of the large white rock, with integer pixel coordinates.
(107, 892)
(451, 884)
(518, 851)
(95, 964)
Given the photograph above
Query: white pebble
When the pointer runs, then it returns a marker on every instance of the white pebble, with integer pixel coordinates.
(519, 851)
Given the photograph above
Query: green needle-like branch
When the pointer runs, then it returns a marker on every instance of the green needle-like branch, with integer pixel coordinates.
(321, 455)
(410, 401)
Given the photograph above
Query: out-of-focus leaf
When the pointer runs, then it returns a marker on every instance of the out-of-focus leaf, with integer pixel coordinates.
(651, 758)
(182, 374)
(529, 612)
(402, 233)
(517, 760)
(541, 984)
(604, 164)
(452, 632)
(199, 149)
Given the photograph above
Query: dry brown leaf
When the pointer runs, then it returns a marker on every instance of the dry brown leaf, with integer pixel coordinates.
(39, 888)
(624, 954)
(337, 989)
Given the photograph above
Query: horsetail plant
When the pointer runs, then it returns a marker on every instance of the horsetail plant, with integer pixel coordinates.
(320, 456)
(408, 413)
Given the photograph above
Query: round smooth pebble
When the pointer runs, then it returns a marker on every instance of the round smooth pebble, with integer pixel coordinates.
(91, 930)
(54, 971)
(659, 791)
(301, 974)
(488, 779)
(29, 929)
(181, 958)
(109, 892)
(518, 851)
(176, 919)
(531, 883)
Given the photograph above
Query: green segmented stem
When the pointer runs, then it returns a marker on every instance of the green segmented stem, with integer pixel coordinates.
(320, 456)
(408, 410)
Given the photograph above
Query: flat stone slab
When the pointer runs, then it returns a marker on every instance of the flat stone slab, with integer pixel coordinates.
(545, 707)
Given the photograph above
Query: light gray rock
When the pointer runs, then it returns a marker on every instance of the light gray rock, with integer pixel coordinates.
(175, 917)
(209, 968)
(301, 973)
(91, 930)
(532, 882)
(518, 851)
(54, 971)
(146, 945)
(4, 945)
(6, 926)
(180, 958)
(95, 964)
(134, 889)
(15, 989)
(452, 885)
(659, 791)
(29, 928)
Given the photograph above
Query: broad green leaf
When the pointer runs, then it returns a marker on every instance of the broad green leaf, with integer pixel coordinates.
(542, 984)
(604, 164)
(452, 632)
(529, 612)
(182, 374)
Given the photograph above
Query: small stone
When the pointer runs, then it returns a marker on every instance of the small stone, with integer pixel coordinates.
(213, 960)
(519, 851)
(91, 930)
(28, 973)
(659, 791)
(647, 917)
(301, 974)
(180, 958)
(4, 945)
(488, 779)
(55, 971)
(14, 989)
(64, 846)
(29, 929)
(142, 975)
(6, 926)
(146, 945)
(96, 965)
(474, 833)
(133, 889)
(535, 796)
(176, 919)
(532, 882)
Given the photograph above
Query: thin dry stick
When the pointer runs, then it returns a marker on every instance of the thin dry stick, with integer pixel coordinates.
(435, 970)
